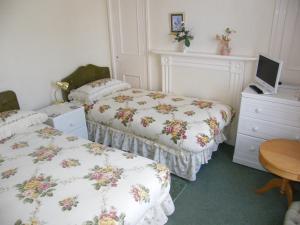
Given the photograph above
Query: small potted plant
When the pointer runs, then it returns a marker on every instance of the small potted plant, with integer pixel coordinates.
(184, 37)
(224, 41)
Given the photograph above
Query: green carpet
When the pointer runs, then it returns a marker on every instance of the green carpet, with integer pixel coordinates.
(177, 187)
(224, 194)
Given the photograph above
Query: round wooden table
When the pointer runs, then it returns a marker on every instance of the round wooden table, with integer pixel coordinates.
(282, 158)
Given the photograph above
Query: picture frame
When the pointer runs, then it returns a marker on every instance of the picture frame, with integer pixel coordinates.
(176, 20)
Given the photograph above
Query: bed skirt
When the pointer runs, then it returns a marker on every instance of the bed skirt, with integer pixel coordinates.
(184, 164)
(158, 215)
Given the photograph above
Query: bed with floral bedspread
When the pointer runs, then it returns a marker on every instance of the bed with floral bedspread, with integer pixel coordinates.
(181, 132)
(49, 178)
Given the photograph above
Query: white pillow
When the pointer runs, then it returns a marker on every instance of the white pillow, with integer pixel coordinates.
(95, 86)
(91, 92)
(16, 121)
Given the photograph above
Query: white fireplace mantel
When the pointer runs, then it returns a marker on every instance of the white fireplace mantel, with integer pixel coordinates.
(208, 76)
(203, 55)
(234, 65)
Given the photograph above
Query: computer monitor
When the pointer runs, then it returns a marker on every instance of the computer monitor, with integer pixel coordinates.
(268, 74)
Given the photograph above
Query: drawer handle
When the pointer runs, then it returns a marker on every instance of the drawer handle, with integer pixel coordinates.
(71, 125)
(254, 129)
(257, 110)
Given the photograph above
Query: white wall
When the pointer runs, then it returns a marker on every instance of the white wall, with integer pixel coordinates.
(252, 19)
(44, 41)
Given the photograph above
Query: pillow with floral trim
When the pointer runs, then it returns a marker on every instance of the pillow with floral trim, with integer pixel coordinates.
(16, 121)
(93, 91)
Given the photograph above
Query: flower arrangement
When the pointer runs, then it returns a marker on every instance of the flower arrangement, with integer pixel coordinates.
(224, 41)
(184, 35)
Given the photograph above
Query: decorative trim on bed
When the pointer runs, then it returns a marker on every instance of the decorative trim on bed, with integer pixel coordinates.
(182, 163)
(158, 214)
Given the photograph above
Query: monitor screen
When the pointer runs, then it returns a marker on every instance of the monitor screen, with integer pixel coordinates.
(267, 70)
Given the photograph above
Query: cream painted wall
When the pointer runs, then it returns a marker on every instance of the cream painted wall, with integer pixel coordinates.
(43, 41)
(251, 18)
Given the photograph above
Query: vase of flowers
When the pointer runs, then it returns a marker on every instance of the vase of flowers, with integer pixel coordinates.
(184, 38)
(224, 41)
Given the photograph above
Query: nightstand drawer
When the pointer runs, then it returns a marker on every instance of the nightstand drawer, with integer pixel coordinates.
(247, 150)
(271, 111)
(266, 130)
(70, 121)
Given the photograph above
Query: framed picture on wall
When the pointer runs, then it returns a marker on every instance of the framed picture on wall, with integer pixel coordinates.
(176, 20)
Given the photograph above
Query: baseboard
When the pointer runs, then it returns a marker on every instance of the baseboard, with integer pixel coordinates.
(248, 163)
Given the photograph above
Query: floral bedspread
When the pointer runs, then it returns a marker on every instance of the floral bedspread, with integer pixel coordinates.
(178, 122)
(48, 178)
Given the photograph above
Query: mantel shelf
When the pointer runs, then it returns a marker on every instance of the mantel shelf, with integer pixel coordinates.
(202, 55)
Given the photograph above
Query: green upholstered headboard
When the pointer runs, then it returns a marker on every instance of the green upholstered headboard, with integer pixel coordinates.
(8, 101)
(84, 75)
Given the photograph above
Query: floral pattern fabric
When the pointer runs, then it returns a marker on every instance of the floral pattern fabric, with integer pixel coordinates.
(177, 122)
(48, 178)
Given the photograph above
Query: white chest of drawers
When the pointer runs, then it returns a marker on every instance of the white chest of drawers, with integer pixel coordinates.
(67, 117)
(264, 117)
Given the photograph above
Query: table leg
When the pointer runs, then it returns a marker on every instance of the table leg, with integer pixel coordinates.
(289, 193)
(274, 183)
(283, 184)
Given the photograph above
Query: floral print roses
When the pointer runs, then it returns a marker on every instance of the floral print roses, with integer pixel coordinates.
(68, 203)
(48, 132)
(140, 193)
(105, 176)
(125, 115)
(165, 108)
(202, 104)
(203, 139)
(45, 153)
(8, 173)
(175, 128)
(162, 173)
(68, 163)
(156, 95)
(147, 120)
(213, 125)
(103, 108)
(35, 187)
(122, 98)
(95, 148)
(18, 145)
(107, 217)
(6, 114)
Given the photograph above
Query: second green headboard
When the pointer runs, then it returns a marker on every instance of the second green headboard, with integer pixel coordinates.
(84, 75)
